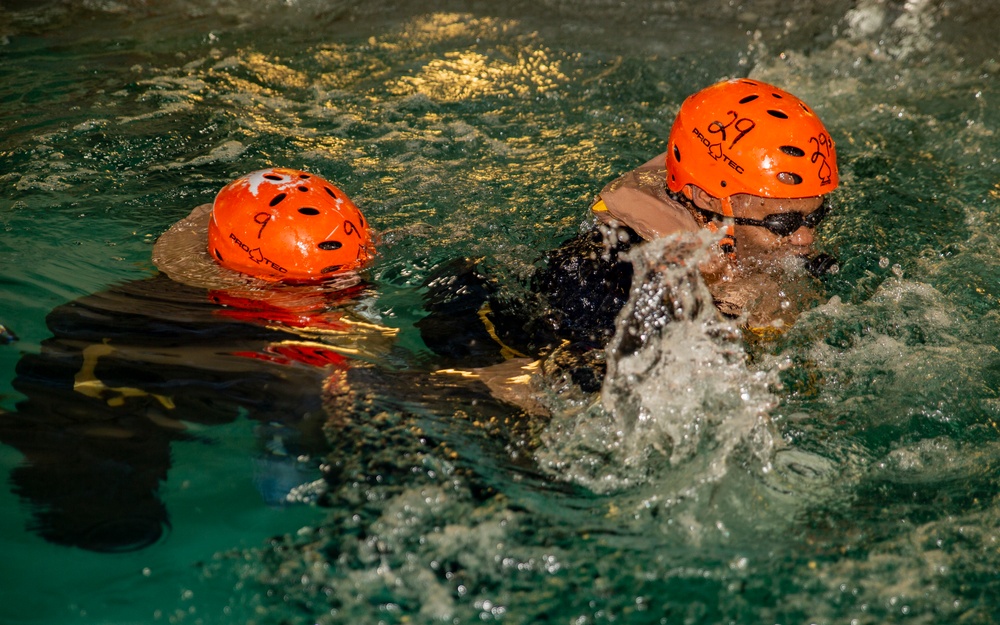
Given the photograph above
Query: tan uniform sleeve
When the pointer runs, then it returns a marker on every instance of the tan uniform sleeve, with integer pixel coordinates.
(639, 200)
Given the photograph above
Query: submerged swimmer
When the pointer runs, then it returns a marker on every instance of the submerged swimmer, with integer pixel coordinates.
(745, 160)
(251, 316)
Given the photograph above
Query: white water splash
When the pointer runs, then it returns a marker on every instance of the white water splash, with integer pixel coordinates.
(677, 377)
(678, 395)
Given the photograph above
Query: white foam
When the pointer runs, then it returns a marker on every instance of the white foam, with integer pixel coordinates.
(677, 390)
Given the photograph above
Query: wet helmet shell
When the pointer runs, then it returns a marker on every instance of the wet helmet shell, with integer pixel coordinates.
(746, 136)
(286, 224)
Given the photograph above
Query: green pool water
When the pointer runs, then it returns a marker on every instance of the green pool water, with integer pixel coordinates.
(852, 477)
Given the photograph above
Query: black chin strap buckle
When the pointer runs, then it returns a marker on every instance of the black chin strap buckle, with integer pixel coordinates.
(821, 264)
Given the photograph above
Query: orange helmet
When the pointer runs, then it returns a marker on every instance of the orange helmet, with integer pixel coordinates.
(745, 136)
(285, 224)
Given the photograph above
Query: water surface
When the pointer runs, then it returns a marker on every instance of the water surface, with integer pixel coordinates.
(849, 476)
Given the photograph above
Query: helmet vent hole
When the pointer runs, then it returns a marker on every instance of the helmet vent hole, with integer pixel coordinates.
(776, 95)
(330, 246)
(723, 183)
(778, 114)
(273, 177)
(749, 98)
(791, 150)
(788, 177)
(303, 188)
(277, 199)
(677, 154)
(330, 192)
(309, 210)
(331, 269)
(218, 254)
(304, 176)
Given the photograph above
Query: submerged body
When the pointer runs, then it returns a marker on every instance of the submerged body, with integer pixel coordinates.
(130, 370)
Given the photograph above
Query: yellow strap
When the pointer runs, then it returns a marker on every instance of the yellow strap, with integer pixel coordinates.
(505, 350)
(87, 383)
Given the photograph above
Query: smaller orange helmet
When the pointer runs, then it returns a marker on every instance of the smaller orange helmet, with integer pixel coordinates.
(286, 224)
(746, 136)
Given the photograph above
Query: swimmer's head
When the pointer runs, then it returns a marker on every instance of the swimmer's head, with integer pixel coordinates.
(748, 138)
(285, 224)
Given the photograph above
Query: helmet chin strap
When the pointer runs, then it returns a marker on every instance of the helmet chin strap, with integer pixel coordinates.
(728, 242)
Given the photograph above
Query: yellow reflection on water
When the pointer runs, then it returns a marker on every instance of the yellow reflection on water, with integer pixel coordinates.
(274, 74)
(312, 145)
(461, 75)
(469, 71)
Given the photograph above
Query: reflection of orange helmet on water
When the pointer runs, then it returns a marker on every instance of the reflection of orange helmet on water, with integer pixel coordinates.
(745, 136)
(285, 224)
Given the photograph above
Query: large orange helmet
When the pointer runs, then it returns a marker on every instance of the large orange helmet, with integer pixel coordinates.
(746, 136)
(285, 224)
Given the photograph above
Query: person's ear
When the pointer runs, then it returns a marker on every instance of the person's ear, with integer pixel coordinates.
(703, 200)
